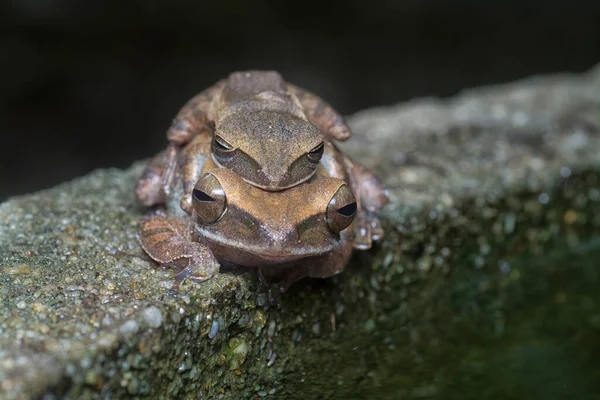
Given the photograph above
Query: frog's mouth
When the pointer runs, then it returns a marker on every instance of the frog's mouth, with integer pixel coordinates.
(262, 249)
(268, 183)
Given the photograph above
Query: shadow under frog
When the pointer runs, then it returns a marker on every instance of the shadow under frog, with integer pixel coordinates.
(260, 183)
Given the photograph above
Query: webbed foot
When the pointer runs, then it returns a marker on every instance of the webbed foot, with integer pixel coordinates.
(168, 241)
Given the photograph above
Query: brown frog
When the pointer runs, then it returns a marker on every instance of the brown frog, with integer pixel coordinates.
(251, 162)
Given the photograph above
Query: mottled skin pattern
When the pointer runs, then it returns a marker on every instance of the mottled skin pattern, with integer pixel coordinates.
(253, 162)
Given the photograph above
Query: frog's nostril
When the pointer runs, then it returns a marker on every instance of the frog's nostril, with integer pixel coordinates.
(274, 177)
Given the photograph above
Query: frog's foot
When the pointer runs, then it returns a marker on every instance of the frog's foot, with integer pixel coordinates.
(186, 203)
(202, 265)
(198, 271)
(167, 240)
(371, 196)
(154, 185)
(367, 228)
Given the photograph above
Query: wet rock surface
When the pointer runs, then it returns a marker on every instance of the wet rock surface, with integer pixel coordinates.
(478, 182)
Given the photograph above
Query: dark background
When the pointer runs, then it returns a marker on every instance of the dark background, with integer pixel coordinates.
(88, 84)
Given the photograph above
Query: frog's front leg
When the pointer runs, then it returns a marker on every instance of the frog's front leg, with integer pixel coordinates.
(153, 186)
(193, 157)
(322, 115)
(371, 196)
(192, 119)
(168, 240)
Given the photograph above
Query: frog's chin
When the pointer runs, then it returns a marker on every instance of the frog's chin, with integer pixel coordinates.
(248, 255)
(283, 257)
(279, 188)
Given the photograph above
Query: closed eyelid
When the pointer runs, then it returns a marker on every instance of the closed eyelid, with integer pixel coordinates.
(318, 147)
(222, 143)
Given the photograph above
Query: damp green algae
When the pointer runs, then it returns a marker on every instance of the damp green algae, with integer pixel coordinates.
(483, 272)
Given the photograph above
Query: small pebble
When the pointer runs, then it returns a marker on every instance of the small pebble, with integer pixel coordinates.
(504, 266)
(166, 284)
(214, 329)
(370, 325)
(153, 317)
(129, 327)
(175, 317)
(271, 329)
(316, 328)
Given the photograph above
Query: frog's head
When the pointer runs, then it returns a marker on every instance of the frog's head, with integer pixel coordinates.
(305, 220)
(270, 149)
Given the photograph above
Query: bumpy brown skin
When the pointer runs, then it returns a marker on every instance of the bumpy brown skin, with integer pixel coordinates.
(263, 117)
(209, 104)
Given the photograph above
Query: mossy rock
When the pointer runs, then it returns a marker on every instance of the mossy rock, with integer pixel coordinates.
(485, 269)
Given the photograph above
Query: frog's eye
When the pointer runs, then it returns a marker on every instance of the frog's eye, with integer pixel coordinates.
(341, 209)
(208, 199)
(220, 144)
(315, 154)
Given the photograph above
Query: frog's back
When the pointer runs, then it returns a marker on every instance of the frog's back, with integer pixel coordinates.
(240, 86)
(248, 92)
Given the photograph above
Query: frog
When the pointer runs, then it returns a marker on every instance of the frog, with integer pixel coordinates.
(287, 235)
(270, 132)
(249, 111)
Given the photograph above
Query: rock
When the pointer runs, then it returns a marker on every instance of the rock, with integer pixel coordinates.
(489, 189)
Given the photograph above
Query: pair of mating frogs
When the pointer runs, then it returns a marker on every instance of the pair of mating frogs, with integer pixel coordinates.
(251, 177)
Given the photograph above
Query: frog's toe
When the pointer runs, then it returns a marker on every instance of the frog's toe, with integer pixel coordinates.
(367, 228)
(186, 203)
(362, 234)
(197, 273)
(376, 229)
(202, 265)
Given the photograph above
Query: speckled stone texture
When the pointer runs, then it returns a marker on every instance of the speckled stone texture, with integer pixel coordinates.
(475, 181)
